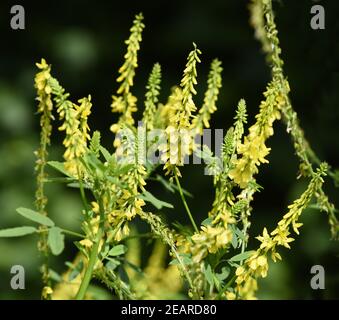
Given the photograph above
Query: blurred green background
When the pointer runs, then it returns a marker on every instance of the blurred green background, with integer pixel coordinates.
(84, 42)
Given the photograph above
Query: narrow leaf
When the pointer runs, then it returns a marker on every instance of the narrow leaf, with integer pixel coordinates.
(59, 166)
(147, 196)
(117, 250)
(242, 256)
(35, 216)
(16, 232)
(209, 275)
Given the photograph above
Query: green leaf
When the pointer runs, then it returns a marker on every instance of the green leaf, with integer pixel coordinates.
(56, 240)
(59, 180)
(105, 153)
(224, 273)
(17, 232)
(134, 267)
(147, 196)
(59, 166)
(76, 185)
(98, 293)
(207, 222)
(117, 250)
(185, 259)
(165, 183)
(233, 264)
(76, 271)
(35, 216)
(112, 264)
(234, 241)
(242, 256)
(171, 186)
(54, 275)
(209, 275)
(240, 234)
(121, 170)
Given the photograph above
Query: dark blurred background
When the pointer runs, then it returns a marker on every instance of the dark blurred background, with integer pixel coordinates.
(84, 42)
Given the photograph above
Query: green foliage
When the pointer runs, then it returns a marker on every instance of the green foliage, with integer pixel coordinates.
(17, 232)
(56, 240)
(35, 216)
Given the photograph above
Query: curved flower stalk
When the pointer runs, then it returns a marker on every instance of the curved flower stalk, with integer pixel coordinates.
(257, 264)
(214, 82)
(178, 129)
(253, 150)
(124, 102)
(262, 19)
(45, 108)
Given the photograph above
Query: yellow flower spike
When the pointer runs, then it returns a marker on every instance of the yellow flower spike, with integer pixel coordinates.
(153, 91)
(257, 265)
(45, 108)
(124, 102)
(210, 99)
(253, 150)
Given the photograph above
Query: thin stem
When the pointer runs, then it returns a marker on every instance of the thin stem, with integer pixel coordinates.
(189, 280)
(244, 241)
(72, 233)
(185, 204)
(82, 192)
(226, 286)
(88, 273)
(92, 258)
(142, 235)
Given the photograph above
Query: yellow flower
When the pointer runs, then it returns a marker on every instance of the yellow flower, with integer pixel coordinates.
(95, 207)
(86, 243)
(42, 65)
(224, 238)
(266, 241)
(230, 295)
(281, 237)
(46, 292)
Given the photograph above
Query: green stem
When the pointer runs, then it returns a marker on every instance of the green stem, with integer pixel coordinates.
(185, 204)
(92, 258)
(72, 233)
(88, 273)
(82, 192)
